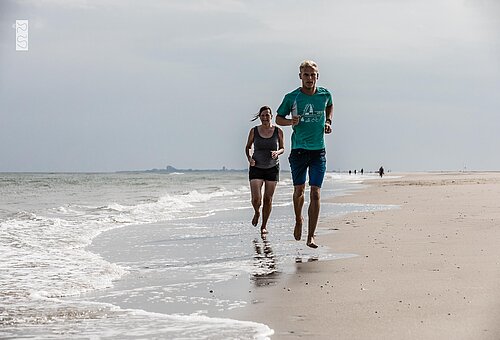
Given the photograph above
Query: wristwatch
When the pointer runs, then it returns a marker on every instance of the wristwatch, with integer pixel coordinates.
(328, 121)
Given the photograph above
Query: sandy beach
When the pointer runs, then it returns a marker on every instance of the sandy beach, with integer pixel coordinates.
(428, 270)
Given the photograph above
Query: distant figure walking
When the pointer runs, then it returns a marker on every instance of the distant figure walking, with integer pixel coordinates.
(311, 111)
(264, 169)
(362, 170)
(381, 171)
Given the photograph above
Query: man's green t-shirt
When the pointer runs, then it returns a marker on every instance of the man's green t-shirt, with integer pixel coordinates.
(309, 133)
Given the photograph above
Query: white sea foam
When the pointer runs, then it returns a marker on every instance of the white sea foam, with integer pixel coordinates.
(49, 255)
(64, 319)
(44, 257)
(44, 253)
(345, 178)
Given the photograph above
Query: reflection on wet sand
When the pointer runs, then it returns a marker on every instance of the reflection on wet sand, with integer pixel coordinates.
(300, 268)
(309, 259)
(265, 270)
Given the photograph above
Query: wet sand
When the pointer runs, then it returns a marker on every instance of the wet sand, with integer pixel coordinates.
(429, 270)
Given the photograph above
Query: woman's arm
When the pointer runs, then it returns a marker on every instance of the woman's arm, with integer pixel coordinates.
(281, 145)
(251, 161)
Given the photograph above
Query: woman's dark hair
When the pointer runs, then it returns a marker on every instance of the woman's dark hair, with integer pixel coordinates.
(264, 108)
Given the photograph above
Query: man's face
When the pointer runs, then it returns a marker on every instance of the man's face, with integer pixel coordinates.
(309, 75)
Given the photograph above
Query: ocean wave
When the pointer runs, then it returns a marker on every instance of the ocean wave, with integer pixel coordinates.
(53, 241)
(63, 319)
(47, 257)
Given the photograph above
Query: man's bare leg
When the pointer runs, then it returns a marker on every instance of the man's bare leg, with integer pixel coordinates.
(298, 203)
(256, 191)
(313, 212)
(269, 188)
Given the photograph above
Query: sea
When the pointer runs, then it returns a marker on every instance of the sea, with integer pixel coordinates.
(146, 255)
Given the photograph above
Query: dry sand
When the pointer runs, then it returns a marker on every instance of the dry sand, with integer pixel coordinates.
(429, 270)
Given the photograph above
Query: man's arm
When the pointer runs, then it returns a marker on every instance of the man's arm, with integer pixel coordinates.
(283, 121)
(328, 120)
(329, 112)
(280, 120)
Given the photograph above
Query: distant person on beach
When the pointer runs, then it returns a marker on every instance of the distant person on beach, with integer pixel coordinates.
(311, 111)
(264, 169)
(381, 171)
(362, 171)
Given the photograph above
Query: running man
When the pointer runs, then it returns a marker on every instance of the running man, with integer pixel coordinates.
(311, 111)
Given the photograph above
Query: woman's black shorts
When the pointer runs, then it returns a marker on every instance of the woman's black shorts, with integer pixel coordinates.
(271, 174)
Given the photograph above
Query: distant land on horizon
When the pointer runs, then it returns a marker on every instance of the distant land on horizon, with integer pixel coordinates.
(171, 169)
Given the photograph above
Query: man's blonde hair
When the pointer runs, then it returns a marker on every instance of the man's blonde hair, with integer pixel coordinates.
(308, 63)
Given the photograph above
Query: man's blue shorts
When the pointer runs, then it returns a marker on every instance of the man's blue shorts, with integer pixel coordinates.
(314, 160)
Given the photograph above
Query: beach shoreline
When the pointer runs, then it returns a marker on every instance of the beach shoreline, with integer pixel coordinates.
(210, 265)
(427, 270)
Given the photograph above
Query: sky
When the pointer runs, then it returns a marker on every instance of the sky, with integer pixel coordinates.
(115, 85)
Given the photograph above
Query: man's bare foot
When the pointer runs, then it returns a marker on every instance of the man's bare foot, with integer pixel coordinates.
(310, 242)
(263, 231)
(255, 219)
(297, 231)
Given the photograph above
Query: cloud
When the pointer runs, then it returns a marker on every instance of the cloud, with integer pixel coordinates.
(113, 76)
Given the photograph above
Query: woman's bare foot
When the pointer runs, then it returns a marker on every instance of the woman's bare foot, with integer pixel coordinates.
(263, 231)
(297, 231)
(255, 219)
(310, 242)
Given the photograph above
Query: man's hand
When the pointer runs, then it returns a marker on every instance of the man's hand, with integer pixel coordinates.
(295, 120)
(328, 128)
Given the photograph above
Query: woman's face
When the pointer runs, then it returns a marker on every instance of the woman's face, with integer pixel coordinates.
(265, 116)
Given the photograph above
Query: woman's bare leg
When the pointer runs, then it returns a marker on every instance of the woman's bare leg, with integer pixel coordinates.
(269, 188)
(256, 191)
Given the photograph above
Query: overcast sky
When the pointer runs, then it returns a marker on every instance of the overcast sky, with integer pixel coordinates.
(122, 85)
